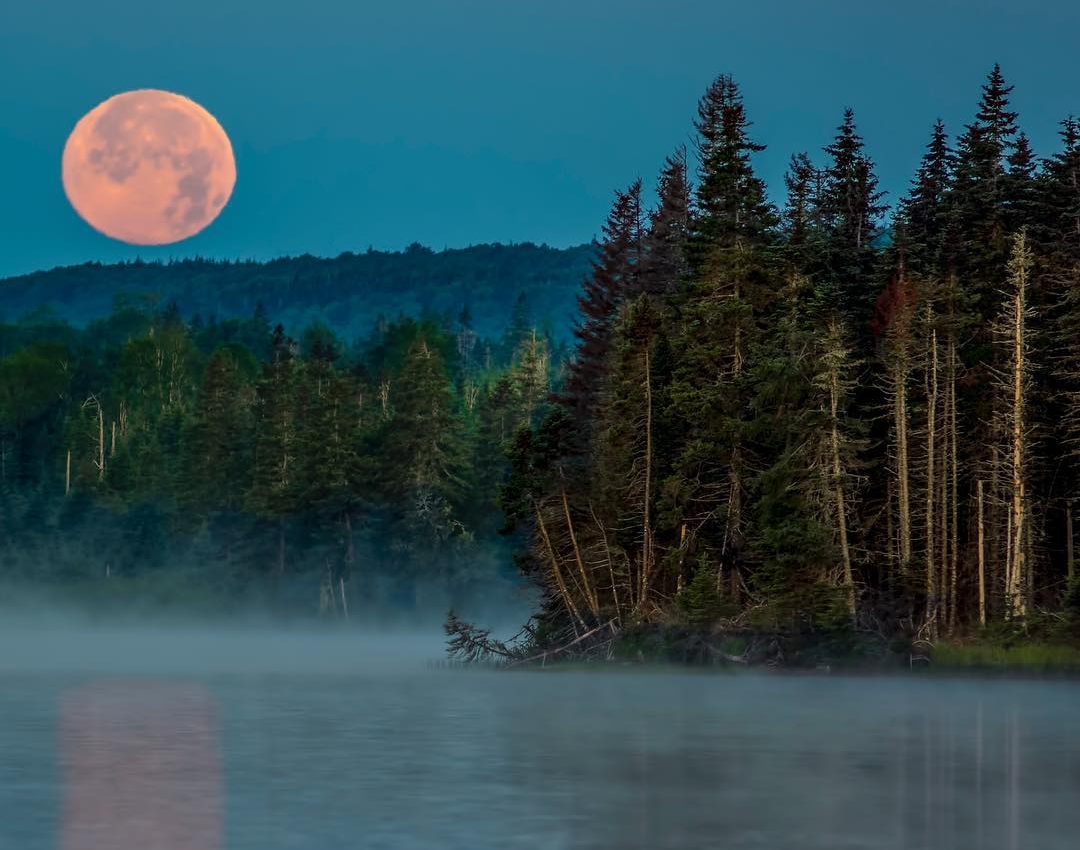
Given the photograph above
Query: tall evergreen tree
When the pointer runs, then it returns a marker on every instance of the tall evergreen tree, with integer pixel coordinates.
(720, 310)
(616, 275)
(979, 246)
(923, 212)
(731, 205)
(274, 479)
(800, 216)
(851, 208)
(664, 259)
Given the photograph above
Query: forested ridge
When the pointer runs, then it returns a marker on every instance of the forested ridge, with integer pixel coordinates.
(347, 292)
(831, 423)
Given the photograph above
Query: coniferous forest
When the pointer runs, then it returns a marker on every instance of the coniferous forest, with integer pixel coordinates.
(831, 423)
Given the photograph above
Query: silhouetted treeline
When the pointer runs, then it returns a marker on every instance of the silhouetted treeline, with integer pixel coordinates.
(817, 420)
(346, 292)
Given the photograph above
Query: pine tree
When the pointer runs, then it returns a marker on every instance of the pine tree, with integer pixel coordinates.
(851, 208)
(521, 325)
(625, 464)
(979, 244)
(731, 206)
(330, 466)
(663, 264)
(727, 294)
(923, 213)
(800, 216)
(274, 482)
(1058, 229)
(1020, 189)
(616, 276)
(219, 439)
(423, 456)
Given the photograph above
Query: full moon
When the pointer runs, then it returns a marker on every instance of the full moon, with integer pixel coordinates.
(148, 167)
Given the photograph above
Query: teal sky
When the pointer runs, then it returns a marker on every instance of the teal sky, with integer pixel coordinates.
(455, 123)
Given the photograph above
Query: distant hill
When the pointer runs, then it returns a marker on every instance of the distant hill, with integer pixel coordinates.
(348, 292)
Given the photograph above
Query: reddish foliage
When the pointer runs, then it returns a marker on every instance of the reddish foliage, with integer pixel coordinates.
(894, 302)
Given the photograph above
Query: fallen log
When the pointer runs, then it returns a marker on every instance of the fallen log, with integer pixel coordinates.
(542, 656)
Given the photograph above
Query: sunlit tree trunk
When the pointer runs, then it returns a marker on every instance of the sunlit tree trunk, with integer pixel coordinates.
(931, 484)
(1069, 538)
(954, 480)
(1016, 312)
(982, 553)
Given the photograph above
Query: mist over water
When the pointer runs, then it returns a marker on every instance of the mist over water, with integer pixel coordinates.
(212, 651)
(303, 738)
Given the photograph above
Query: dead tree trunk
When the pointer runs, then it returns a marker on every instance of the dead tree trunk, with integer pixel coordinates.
(931, 485)
(982, 554)
(954, 482)
(646, 501)
(1017, 564)
(836, 357)
(556, 571)
(1069, 538)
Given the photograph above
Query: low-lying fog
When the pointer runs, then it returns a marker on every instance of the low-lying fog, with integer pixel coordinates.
(198, 737)
(171, 650)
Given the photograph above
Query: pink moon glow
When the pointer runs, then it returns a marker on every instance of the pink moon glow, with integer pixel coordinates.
(148, 167)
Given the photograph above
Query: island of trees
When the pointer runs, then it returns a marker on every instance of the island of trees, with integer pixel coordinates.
(813, 427)
(802, 432)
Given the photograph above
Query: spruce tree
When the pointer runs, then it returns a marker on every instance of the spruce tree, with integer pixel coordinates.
(720, 309)
(979, 246)
(731, 207)
(923, 214)
(616, 275)
(851, 208)
(663, 264)
(274, 481)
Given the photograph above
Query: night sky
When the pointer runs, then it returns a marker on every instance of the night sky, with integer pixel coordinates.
(455, 123)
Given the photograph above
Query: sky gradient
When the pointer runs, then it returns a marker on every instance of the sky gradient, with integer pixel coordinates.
(451, 124)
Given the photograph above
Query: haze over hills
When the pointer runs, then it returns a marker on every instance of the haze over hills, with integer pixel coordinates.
(348, 292)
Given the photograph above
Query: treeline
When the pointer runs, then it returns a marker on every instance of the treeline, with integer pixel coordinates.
(227, 462)
(817, 419)
(346, 292)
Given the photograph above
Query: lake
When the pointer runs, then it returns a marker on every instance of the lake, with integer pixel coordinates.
(264, 740)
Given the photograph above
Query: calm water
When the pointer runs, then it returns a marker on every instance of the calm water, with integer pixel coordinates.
(260, 743)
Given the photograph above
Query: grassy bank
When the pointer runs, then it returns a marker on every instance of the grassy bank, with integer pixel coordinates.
(1030, 657)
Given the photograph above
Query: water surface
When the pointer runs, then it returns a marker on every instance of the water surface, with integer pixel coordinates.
(274, 741)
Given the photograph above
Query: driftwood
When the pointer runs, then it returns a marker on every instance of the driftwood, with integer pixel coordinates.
(542, 656)
(735, 659)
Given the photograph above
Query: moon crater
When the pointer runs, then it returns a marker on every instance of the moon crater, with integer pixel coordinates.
(148, 167)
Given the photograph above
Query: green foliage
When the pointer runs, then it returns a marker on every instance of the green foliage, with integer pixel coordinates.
(701, 602)
(1070, 608)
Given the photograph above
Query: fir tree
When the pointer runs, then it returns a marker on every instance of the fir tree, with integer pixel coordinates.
(616, 276)
(923, 213)
(664, 260)
(851, 208)
(731, 207)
